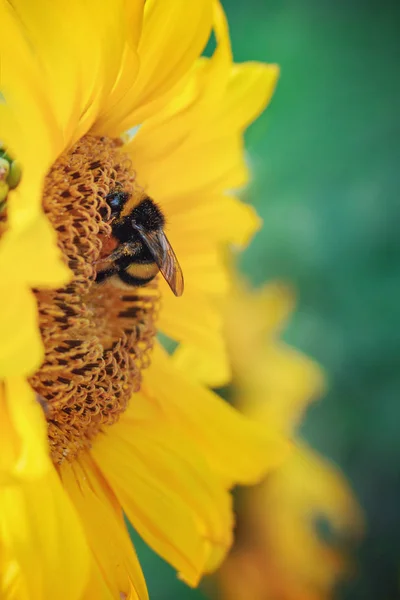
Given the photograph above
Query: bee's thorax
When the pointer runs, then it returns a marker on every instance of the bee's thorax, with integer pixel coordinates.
(148, 215)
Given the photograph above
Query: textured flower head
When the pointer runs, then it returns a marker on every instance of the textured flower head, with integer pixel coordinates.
(96, 418)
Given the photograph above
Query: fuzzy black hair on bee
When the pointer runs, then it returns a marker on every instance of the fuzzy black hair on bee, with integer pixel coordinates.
(148, 214)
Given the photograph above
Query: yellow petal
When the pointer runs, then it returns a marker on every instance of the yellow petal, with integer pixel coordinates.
(250, 89)
(110, 121)
(195, 319)
(283, 385)
(304, 488)
(75, 87)
(21, 350)
(261, 313)
(209, 368)
(97, 588)
(39, 31)
(176, 135)
(223, 217)
(200, 136)
(215, 164)
(28, 130)
(105, 529)
(23, 433)
(39, 531)
(203, 271)
(112, 61)
(275, 383)
(200, 133)
(282, 555)
(11, 586)
(31, 255)
(42, 537)
(157, 135)
(26, 116)
(181, 31)
(239, 449)
(167, 491)
(186, 110)
(191, 319)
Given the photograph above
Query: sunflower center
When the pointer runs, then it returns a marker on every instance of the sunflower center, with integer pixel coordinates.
(97, 337)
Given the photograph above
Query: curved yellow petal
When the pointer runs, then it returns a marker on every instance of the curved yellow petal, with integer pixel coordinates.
(105, 529)
(44, 32)
(250, 89)
(27, 258)
(21, 351)
(24, 448)
(31, 256)
(39, 529)
(240, 450)
(42, 536)
(305, 488)
(97, 588)
(181, 30)
(205, 271)
(209, 368)
(74, 87)
(274, 382)
(189, 106)
(187, 161)
(281, 554)
(224, 218)
(167, 491)
(280, 393)
(191, 319)
(169, 141)
(29, 131)
(28, 124)
(211, 166)
(202, 131)
(195, 318)
(128, 66)
(109, 120)
(112, 63)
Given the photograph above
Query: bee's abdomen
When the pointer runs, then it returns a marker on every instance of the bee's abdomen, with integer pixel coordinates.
(138, 274)
(140, 256)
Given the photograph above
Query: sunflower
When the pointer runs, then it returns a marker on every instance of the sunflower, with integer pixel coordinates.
(279, 553)
(97, 419)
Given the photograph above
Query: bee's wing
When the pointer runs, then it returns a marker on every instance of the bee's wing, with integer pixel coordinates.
(164, 256)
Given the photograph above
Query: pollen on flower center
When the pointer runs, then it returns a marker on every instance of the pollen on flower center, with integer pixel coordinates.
(96, 337)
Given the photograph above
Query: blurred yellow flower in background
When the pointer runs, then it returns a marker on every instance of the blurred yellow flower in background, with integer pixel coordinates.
(279, 554)
(76, 453)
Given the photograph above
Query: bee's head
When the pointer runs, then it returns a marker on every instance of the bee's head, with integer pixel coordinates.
(116, 200)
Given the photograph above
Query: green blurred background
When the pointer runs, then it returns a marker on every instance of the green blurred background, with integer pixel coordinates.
(326, 166)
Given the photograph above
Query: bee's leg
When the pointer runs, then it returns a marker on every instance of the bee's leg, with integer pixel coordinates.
(127, 250)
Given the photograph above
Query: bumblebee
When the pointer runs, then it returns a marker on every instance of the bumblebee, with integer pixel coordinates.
(138, 248)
